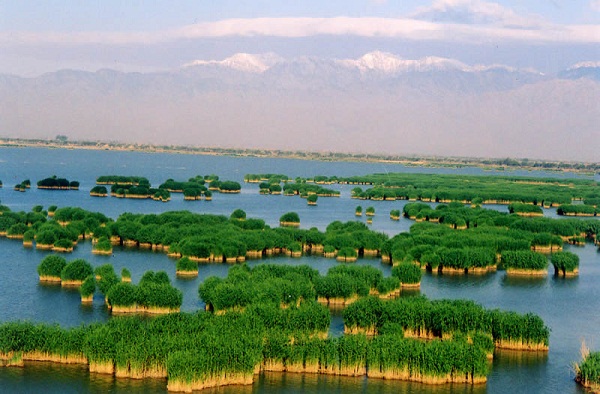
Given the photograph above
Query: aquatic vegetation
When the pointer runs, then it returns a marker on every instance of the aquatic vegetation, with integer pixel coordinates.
(153, 294)
(523, 209)
(238, 214)
(565, 263)
(423, 318)
(56, 183)
(578, 210)
(588, 369)
(102, 246)
(120, 179)
(291, 219)
(186, 267)
(99, 191)
(75, 272)
(408, 274)
(266, 319)
(524, 262)
(50, 268)
(87, 289)
(265, 283)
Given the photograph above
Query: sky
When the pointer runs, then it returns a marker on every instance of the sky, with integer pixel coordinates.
(38, 37)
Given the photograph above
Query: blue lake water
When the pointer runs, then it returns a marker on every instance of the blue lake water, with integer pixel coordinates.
(569, 307)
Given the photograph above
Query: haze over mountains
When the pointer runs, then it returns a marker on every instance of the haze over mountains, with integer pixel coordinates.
(378, 103)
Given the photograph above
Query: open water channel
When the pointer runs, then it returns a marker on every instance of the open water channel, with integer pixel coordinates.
(568, 306)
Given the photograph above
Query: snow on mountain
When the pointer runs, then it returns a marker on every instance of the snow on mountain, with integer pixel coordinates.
(376, 61)
(589, 69)
(502, 67)
(589, 64)
(389, 64)
(246, 62)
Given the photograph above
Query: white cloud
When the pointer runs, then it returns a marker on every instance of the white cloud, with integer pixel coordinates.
(595, 5)
(304, 27)
(402, 28)
(476, 12)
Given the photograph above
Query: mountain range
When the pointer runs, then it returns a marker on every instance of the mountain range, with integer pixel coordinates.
(378, 103)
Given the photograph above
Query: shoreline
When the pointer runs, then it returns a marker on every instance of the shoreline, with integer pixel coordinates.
(487, 164)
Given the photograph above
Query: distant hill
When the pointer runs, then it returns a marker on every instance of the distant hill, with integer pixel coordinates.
(378, 103)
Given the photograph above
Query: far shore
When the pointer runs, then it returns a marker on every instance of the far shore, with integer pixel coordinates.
(488, 164)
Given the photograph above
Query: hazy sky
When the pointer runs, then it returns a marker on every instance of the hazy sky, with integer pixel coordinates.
(37, 37)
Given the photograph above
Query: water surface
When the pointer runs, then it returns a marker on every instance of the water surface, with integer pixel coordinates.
(568, 306)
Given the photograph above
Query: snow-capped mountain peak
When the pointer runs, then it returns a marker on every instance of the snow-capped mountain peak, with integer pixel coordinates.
(380, 61)
(588, 69)
(439, 63)
(246, 62)
(502, 67)
(388, 63)
(588, 64)
(373, 62)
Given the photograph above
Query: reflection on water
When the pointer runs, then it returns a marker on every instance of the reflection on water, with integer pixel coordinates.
(530, 282)
(462, 280)
(526, 372)
(512, 359)
(314, 383)
(564, 281)
(44, 377)
(50, 377)
(50, 287)
(410, 292)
